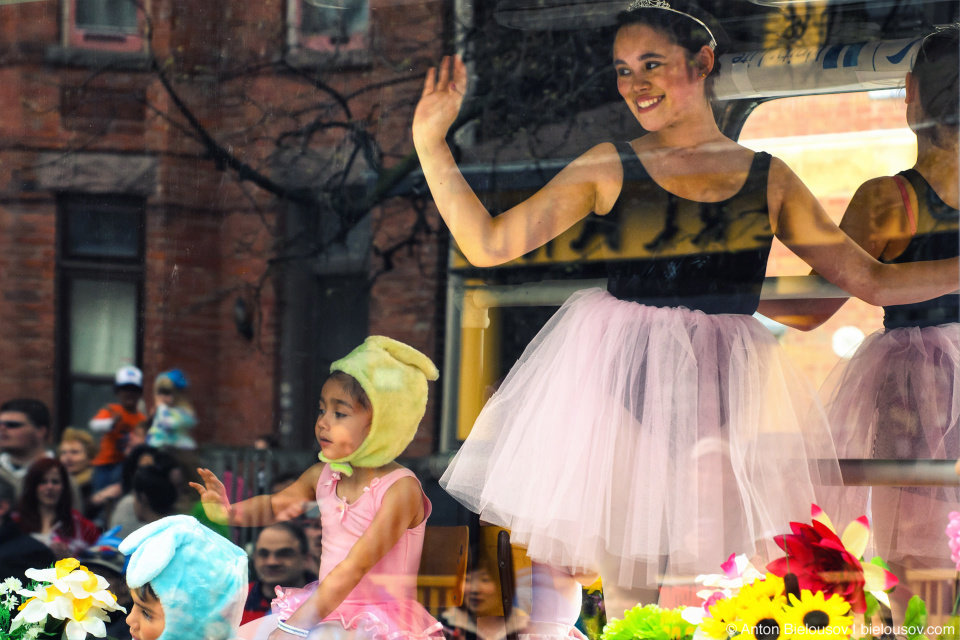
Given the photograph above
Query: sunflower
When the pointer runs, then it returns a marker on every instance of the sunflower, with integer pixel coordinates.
(812, 616)
(724, 615)
(763, 620)
(769, 588)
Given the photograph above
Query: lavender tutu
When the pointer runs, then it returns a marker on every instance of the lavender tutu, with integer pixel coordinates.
(899, 398)
(638, 440)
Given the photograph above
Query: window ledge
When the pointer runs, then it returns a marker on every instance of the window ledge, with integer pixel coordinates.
(357, 59)
(72, 57)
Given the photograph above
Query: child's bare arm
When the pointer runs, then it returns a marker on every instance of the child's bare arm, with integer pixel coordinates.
(258, 511)
(401, 509)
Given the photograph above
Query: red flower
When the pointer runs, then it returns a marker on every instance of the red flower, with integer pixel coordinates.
(821, 563)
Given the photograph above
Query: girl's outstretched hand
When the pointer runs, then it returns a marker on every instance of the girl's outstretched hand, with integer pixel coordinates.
(440, 102)
(213, 497)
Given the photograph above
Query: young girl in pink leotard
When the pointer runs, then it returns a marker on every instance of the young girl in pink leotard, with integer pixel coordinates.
(372, 510)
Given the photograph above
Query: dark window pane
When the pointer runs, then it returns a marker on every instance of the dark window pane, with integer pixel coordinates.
(107, 15)
(336, 19)
(338, 333)
(86, 398)
(108, 233)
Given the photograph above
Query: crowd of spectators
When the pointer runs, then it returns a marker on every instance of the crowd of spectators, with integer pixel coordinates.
(80, 494)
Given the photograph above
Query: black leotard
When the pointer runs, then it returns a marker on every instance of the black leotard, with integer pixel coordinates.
(936, 237)
(710, 256)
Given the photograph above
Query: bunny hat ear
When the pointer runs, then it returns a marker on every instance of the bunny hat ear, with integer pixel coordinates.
(394, 376)
(199, 577)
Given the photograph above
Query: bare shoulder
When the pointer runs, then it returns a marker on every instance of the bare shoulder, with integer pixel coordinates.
(883, 193)
(780, 172)
(404, 499)
(311, 476)
(600, 159)
(602, 166)
(782, 182)
(877, 212)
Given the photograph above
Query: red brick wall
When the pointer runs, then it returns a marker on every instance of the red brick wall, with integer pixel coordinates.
(208, 237)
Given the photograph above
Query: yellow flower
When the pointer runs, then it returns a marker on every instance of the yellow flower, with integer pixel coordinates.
(90, 584)
(769, 589)
(724, 616)
(80, 608)
(65, 566)
(763, 619)
(814, 617)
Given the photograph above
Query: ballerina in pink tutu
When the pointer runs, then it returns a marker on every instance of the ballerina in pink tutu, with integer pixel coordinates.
(372, 510)
(654, 428)
(898, 397)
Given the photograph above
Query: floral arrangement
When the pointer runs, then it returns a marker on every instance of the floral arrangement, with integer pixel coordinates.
(814, 591)
(65, 602)
(650, 622)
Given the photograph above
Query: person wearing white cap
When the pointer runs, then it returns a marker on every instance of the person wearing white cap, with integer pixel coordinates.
(115, 421)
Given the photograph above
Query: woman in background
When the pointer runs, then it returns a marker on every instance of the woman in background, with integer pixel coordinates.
(46, 510)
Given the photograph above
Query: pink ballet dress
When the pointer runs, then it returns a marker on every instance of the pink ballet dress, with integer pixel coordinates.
(383, 605)
(655, 428)
(898, 397)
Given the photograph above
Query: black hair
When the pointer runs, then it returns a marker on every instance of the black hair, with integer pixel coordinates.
(132, 462)
(936, 70)
(293, 530)
(352, 387)
(154, 484)
(35, 410)
(683, 30)
(146, 593)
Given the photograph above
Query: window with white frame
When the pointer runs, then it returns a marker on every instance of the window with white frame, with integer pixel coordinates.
(108, 25)
(331, 25)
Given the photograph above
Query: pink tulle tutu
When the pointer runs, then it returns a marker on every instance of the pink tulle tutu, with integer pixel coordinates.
(389, 620)
(898, 397)
(638, 440)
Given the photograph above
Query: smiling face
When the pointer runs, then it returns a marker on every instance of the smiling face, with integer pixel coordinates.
(73, 455)
(146, 618)
(278, 559)
(656, 77)
(343, 423)
(50, 489)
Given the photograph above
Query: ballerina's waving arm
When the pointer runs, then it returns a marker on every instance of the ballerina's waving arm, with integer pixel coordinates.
(589, 183)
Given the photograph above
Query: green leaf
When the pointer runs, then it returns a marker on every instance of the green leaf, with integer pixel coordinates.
(873, 607)
(951, 629)
(915, 618)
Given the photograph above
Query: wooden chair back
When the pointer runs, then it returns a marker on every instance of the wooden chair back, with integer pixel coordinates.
(443, 568)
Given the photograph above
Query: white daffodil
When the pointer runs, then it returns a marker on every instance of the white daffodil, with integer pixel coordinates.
(86, 619)
(68, 575)
(72, 594)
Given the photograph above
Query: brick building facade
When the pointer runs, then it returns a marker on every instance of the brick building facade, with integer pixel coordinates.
(105, 188)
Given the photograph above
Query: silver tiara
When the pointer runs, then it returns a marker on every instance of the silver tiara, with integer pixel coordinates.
(665, 6)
